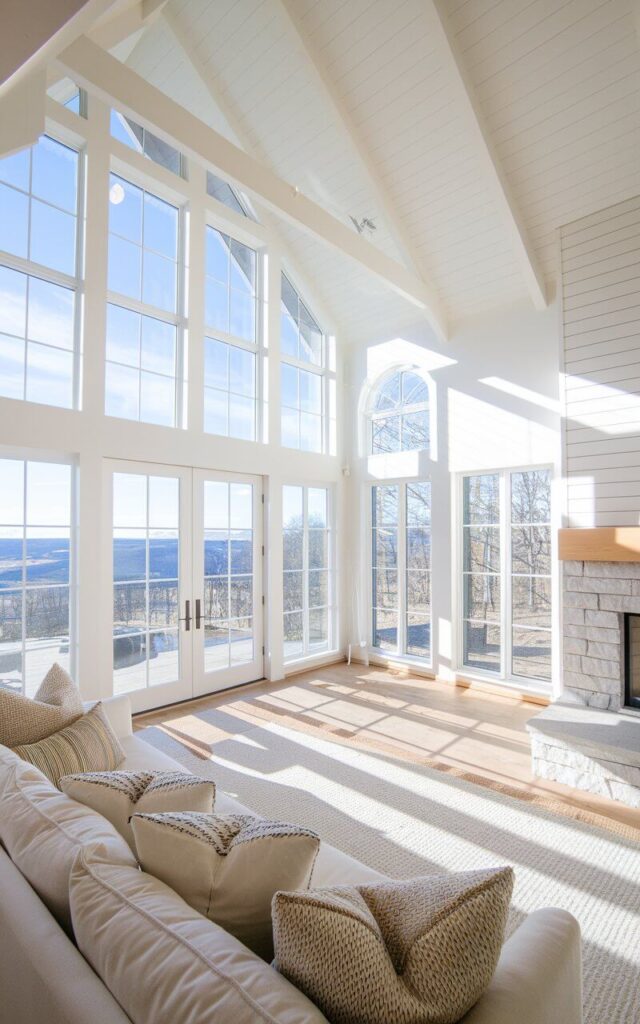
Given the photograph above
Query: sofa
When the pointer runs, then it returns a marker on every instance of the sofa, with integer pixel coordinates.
(44, 978)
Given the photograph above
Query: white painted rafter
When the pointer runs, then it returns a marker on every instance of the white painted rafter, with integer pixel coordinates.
(341, 117)
(110, 32)
(463, 90)
(95, 69)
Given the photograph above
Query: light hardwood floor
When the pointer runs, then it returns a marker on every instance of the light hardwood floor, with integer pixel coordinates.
(416, 719)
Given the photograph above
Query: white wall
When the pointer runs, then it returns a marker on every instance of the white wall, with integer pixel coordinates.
(600, 266)
(496, 406)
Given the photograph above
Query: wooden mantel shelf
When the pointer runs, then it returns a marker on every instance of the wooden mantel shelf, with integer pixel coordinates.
(601, 544)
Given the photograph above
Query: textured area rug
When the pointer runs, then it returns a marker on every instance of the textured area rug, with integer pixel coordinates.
(407, 820)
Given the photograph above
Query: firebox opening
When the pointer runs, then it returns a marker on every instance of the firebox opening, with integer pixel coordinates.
(632, 660)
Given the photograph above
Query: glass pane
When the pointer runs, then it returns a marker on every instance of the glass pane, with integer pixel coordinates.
(122, 392)
(419, 504)
(46, 613)
(241, 639)
(164, 502)
(531, 549)
(317, 506)
(415, 431)
(388, 394)
(531, 600)
(241, 499)
(13, 301)
(318, 627)
(216, 505)
(385, 588)
(129, 662)
(385, 435)
(14, 169)
(217, 255)
(385, 506)
(159, 277)
(310, 432)
(292, 549)
(125, 209)
(242, 315)
(385, 630)
(216, 552)
(293, 635)
(318, 549)
(216, 646)
(12, 548)
(292, 507)
(385, 548)
(482, 548)
(242, 365)
(318, 588)
(216, 412)
(11, 667)
(482, 646)
(129, 607)
(288, 336)
(164, 661)
(290, 428)
(129, 500)
(414, 389)
(419, 634)
(123, 335)
(242, 416)
(216, 302)
(51, 313)
(418, 590)
(48, 494)
(216, 364)
(129, 555)
(160, 226)
(532, 653)
(482, 597)
(47, 555)
(53, 238)
(289, 386)
(49, 376)
(163, 603)
(38, 659)
(158, 346)
(11, 492)
(240, 596)
(481, 502)
(310, 344)
(54, 173)
(241, 551)
(125, 267)
(12, 367)
(531, 496)
(14, 222)
(293, 587)
(418, 548)
(157, 399)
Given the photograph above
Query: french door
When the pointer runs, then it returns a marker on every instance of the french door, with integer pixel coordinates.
(186, 581)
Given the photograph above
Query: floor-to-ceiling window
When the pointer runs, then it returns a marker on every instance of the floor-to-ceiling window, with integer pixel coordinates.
(307, 571)
(506, 573)
(303, 387)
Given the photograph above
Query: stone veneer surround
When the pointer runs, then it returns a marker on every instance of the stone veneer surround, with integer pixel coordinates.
(595, 597)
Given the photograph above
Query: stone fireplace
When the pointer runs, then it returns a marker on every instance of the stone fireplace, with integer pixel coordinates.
(590, 738)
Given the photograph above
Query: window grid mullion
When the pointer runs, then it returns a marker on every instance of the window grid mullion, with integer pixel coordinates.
(305, 570)
(402, 568)
(506, 578)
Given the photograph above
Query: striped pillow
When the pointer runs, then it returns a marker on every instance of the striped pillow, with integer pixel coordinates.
(87, 745)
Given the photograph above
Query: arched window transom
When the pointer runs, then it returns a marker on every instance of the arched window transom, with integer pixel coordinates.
(399, 413)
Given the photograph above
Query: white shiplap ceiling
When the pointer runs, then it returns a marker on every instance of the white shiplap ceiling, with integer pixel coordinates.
(351, 101)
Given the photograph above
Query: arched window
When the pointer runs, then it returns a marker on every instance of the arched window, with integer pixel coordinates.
(399, 413)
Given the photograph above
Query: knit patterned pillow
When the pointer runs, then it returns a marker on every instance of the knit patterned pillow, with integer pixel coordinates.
(25, 720)
(88, 745)
(227, 866)
(415, 952)
(118, 795)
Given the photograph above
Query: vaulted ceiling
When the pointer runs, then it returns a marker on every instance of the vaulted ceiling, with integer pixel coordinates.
(467, 130)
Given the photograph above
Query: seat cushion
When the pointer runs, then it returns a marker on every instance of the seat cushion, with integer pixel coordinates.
(167, 964)
(416, 952)
(42, 830)
(87, 745)
(118, 795)
(56, 704)
(227, 867)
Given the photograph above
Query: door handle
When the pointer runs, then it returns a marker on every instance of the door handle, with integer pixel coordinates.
(198, 613)
(187, 615)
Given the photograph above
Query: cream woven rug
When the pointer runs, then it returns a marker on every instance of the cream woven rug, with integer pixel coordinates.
(406, 820)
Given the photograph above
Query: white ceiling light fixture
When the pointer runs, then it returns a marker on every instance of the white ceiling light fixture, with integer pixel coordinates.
(365, 225)
(116, 193)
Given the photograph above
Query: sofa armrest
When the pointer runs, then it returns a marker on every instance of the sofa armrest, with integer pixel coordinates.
(538, 979)
(118, 712)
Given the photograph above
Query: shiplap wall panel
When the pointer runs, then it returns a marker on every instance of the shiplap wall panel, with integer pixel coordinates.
(601, 337)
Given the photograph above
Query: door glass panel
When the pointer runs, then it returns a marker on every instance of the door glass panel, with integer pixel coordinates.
(228, 574)
(146, 543)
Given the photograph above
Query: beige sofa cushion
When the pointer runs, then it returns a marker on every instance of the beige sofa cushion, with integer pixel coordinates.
(56, 703)
(415, 952)
(164, 962)
(87, 745)
(42, 830)
(227, 866)
(118, 795)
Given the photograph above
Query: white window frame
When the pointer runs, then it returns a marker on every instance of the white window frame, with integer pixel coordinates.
(73, 282)
(257, 348)
(372, 414)
(505, 623)
(310, 653)
(152, 183)
(325, 370)
(400, 655)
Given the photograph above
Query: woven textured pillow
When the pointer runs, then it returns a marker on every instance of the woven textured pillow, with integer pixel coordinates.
(87, 745)
(118, 795)
(415, 952)
(227, 866)
(25, 720)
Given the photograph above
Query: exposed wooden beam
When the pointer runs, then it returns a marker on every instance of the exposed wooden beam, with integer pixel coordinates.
(34, 32)
(354, 143)
(23, 111)
(462, 88)
(110, 32)
(96, 70)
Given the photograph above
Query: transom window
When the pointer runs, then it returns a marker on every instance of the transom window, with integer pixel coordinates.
(35, 571)
(143, 141)
(401, 568)
(399, 414)
(303, 384)
(307, 583)
(143, 323)
(39, 273)
(230, 344)
(506, 526)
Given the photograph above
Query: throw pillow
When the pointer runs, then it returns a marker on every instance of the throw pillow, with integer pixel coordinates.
(87, 745)
(25, 720)
(166, 964)
(227, 866)
(415, 952)
(118, 795)
(42, 831)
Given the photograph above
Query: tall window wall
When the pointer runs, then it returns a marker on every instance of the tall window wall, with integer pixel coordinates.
(303, 383)
(399, 414)
(36, 595)
(506, 577)
(307, 575)
(40, 273)
(401, 569)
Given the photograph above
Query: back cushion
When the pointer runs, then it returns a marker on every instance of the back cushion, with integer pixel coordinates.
(42, 831)
(164, 962)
